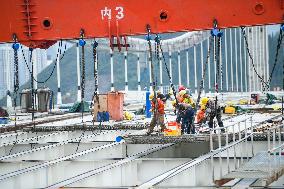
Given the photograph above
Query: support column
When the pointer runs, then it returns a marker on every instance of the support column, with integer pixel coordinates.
(187, 68)
(195, 70)
(179, 72)
(138, 72)
(241, 61)
(59, 99)
(125, 71)
(111, 70)
(78, 74)
(231, 53)
(161, 72)
(226, 61)
(236, 60)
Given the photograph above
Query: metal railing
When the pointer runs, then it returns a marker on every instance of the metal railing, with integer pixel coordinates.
(230, 130)
(275, 160)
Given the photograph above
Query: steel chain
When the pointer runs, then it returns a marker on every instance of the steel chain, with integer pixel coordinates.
(54, 66)
(263, 83)
(279, 43)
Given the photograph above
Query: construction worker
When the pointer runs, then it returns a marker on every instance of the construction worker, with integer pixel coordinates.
(161, 96)
(180, 88)
(213, 109)
(185, 98)
(158, 114)
(200, 116)
(185, 114)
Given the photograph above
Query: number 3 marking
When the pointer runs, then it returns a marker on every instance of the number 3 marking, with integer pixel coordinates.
(120, 14)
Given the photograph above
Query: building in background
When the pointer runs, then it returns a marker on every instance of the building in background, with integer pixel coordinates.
(7, 66)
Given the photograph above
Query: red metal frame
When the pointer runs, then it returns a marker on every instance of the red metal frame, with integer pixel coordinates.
(39, 23)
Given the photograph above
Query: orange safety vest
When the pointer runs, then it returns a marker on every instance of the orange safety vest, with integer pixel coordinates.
(161, 106)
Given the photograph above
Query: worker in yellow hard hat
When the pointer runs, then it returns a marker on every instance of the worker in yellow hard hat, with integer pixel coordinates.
(212, 109)
(158, 114)
(204, 100)
(151, 96)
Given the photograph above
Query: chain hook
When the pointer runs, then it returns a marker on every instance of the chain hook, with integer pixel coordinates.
(82, 42)
(15, 45)
(148, 36)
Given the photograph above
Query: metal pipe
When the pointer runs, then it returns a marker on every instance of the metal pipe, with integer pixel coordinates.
(246, 144)
(226, 61)
(221, 64)
(78, 74)
(240, 137)
(170, 61)
(209, 65)
(236, 61)
(161, 72)
(212, 160)
(187, 68)
(179, 71)
(195, 70)
(220, 158)
(241, 62)
(234, 148)
(125, 71)
(267, 54)
(59, 99)
(138, 72)
(252, 148)
(215, 62)
(202, 62)
(150, 70)
(227, 143)
(231, 51)
(246, 71)
(111, 70)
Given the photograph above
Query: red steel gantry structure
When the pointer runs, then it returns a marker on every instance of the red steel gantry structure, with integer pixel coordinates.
(40, 23)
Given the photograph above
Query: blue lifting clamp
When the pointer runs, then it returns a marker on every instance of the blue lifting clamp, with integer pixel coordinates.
(215, 32)
(16, 46)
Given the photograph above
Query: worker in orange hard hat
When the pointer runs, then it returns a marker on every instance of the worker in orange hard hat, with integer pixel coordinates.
(158, 114)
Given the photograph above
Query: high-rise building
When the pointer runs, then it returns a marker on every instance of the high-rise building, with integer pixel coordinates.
(7, 66)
